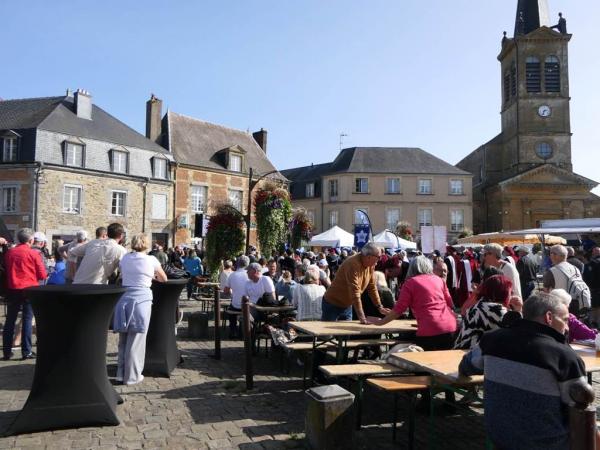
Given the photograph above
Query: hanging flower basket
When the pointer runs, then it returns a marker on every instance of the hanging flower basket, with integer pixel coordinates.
(404, 231)
(300, 228)
(273, 210)
(225, 238)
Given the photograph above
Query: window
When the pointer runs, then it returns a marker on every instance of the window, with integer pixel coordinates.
(456, 187)
(72, 199)
(392, 217)
(506, 86)
(457, 220)
(543, 150)
(9, 149)
(513, 80)
(159, 206)
(235, 163)
(73, 154)
(425, 187)
(333, 190)
(333, 218)
(117, 206)
(533, 75)
(392, 186)
(425, 217)
(9, 199)
(199, 196)
(160, 168)
(119, 161)
(361, 186)
(310, 190)
(235, 199)
(552, 74)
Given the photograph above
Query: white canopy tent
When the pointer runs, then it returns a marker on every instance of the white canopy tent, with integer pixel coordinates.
(334, 237)
(387, 239)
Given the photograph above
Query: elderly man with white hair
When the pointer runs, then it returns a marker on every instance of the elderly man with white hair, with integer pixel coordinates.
(562, 275)
(353, 277)
(492, 257)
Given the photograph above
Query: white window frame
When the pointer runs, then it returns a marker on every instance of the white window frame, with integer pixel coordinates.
(114, 210)
(423, 222)
(116, 156)
(365, 185)
(454, 191)
(241, 199)
(166, 206)
(389, 184)
(70, 209)
(9, 149)
(333, 186)
(160, 163)
(457, 225)
(422, 186)
(334, 218)
(390, 225)
(4, 190)
(234, 167)
(197, 205)
(309, 190)
(74, 146)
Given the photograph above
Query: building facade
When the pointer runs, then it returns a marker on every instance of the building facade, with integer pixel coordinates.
(389, 184)
(213, 165)
(67, 165)
(525, 174)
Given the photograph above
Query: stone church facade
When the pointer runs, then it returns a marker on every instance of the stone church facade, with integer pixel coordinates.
(525, 174)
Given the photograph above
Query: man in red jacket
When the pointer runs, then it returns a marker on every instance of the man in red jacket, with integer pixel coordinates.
(24, 268)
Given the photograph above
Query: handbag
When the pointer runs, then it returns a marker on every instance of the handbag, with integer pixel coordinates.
(174, 272)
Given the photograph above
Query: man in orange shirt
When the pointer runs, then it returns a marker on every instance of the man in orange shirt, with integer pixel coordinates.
(24, 268)
(353, 277)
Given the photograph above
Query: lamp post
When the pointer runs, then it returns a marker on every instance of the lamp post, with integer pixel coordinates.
(251, 185)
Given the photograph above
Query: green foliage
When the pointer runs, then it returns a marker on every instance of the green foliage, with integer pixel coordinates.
(273, 213)
(300, 228)
(225, 238)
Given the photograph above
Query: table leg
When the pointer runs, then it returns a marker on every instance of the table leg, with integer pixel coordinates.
(359, 396)
(217, 309)
(431, 437)
(395, 417)
(411, 420)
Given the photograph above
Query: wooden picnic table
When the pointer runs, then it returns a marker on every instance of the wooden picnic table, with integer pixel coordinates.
(352, 328)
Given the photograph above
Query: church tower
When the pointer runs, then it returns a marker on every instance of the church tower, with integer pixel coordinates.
(524, 175)
(535, 91)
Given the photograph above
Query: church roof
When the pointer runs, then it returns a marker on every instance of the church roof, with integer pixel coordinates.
(531, 15)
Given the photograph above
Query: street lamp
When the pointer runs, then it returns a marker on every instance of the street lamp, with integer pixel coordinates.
(251, 185)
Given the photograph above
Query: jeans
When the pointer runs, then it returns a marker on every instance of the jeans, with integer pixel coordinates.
(332, 313)
(527, 289)
(16, 302)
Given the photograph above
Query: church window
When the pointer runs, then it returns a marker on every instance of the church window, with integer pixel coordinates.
(552, 74)
(506, 86)
(513, 80)
(543, 150)
(533, 74)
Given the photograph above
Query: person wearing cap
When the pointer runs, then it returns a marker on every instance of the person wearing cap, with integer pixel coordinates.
(72, 262)
(24, 268)
(323, 273)
(527, 269)
(354, 276)
(39, 245)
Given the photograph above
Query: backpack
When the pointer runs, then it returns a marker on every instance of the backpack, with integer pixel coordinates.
(578, 290)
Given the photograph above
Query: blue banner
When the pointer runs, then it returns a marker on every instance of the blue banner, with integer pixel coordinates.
(361, 235)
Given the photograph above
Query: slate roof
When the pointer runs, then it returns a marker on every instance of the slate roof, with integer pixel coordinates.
(198, 143)
(58, 114)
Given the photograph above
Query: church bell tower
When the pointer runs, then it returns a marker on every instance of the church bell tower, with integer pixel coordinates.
(535, 91)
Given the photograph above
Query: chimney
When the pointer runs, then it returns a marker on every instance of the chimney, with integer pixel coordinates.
(83, 104)
(153, 118)
(261, 139)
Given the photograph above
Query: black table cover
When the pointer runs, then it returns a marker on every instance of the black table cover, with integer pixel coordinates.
(162, 354)
(70, 384)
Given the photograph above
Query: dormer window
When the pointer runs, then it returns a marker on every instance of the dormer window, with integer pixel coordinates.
(73, 154)
(9, 149)
(119, 161)
(159, 168)
(235, 163)
(310, 190)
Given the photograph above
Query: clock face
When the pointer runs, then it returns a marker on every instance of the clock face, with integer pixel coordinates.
(544, 111)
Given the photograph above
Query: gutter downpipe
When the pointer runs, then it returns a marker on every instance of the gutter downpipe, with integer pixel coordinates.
(36, 193)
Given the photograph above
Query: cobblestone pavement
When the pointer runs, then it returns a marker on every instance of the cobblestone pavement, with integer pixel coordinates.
(205, 405)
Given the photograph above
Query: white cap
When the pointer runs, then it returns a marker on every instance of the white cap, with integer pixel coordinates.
(323, 262)
(81, 234)
(39, 237)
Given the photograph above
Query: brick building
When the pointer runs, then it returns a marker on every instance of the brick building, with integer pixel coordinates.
(66, 165)
(213, 163)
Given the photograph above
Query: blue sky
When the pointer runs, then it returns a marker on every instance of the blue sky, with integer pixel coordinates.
(386, 73)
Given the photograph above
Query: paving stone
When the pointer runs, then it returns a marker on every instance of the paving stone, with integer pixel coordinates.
(219, 443)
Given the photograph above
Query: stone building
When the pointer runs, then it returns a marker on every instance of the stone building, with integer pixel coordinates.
(67, 165)
(525, 174)
(212, 167)
(389, 184)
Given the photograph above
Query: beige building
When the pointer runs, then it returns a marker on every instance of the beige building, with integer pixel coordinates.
(525, 174)
(389, 184)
